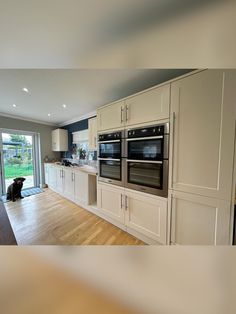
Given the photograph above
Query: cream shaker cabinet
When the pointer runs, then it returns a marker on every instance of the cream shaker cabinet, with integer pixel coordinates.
(199, 220)
(111, 117)
(110, 201)
(81, 187)
(92, 141)
(148, 106)
(60, 140)
(203, 121)
(146, 214)
(69, 184)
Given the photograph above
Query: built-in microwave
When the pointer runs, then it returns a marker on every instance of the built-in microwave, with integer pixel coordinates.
(147, 159)
(111, 153)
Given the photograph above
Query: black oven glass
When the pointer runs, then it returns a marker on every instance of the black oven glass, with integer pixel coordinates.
(145, 174)
(110, 150)
(146, 149)
(110, 169)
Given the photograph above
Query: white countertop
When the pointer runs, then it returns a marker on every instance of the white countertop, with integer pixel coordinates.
(86, 168)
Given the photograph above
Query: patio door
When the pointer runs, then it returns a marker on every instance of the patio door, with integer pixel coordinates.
(19, 158)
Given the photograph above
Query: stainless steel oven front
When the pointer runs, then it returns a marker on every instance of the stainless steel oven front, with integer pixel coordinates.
(147, 159)
(111, 165)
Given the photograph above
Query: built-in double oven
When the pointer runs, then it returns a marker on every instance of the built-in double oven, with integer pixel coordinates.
(111, 158)
(136, 158)
(147, 159)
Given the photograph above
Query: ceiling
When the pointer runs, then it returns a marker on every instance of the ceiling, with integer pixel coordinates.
(82, 91)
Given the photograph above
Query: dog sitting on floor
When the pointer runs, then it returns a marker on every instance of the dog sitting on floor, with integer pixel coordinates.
(14, 190)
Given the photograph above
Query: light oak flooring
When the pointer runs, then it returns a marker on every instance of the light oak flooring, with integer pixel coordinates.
(48, 218)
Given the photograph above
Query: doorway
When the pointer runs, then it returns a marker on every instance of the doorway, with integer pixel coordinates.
(19, 158)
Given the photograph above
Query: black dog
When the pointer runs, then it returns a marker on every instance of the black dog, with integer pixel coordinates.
(14, 190)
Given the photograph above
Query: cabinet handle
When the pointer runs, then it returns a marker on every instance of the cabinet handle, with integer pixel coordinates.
(127, 112)
(173, 147)
(172, 220)
(121, 114)
(95, 142)
(72, 176)
(126, 202)
(121, 200)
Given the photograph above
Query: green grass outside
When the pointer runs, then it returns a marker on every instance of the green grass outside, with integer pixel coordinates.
(18, 171)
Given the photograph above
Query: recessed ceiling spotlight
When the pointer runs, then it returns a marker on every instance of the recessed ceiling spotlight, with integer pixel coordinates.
(49, 114)
(25, 90)
(64, 105)
(14, 105)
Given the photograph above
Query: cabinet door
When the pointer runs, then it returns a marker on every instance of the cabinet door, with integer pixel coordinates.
(93, 134)
(147, 214)
(55, 140)
(110, 201)
(199, 220)
(52, 177)
(60, 180)
(81, 187)
(69, 186)
(202, 107)
(46, 173)
(149, 106)
(111, 117)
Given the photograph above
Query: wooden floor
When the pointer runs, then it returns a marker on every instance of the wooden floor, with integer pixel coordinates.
(48, 218)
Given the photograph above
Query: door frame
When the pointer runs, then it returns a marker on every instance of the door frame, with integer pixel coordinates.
(36, 154)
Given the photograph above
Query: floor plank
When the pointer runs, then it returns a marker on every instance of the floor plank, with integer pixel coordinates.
(48, 218)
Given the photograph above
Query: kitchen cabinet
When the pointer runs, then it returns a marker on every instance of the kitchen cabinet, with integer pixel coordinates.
(111, 116)
(146, 214)
(52, 176)
(110, 201)
(148, 106)
(203, 122)
(198, 220)
(92, 137)
(69, 183)
(140, 212)
(60, 140)
(46, 173)
(81, 187)
(60, 174)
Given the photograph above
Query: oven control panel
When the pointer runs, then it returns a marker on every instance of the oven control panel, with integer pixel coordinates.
(110, 136)
(146, 132)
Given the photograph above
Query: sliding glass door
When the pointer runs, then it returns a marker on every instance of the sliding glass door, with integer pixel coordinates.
(18, 158)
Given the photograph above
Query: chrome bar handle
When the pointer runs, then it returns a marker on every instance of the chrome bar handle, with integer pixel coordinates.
(121, 200)
(127, 112)
(121, 114)
(126, 202)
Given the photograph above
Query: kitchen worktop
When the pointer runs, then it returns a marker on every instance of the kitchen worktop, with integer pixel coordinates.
(85, 168)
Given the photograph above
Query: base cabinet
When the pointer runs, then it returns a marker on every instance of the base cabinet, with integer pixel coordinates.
(110, 201)
(52, 176)
(147, 215)
(198, 220)
(69, 184)
(137, 211)
(81, 187)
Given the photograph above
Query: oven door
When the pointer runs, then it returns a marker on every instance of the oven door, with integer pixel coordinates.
(146, 176)
(111, 171)
(110, 149)
(152, 148)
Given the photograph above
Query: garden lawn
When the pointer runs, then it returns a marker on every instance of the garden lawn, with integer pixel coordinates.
(18, 171)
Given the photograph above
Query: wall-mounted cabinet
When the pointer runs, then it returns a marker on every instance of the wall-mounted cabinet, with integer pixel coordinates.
(146, 107)
(111, 117)
(60, 140)
(92, 136)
